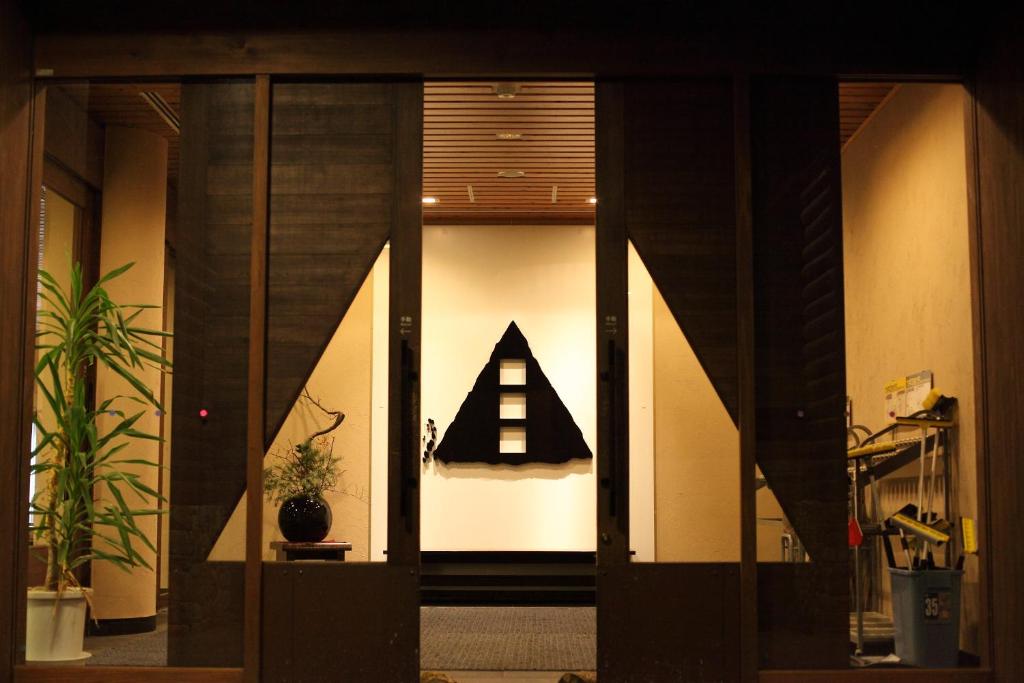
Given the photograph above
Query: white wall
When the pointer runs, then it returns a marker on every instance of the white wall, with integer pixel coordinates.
(475, 281)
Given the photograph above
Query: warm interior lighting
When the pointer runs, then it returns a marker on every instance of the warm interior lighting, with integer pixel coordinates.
(508, 135)
(506, 91)
(592, 200)
(430, 200)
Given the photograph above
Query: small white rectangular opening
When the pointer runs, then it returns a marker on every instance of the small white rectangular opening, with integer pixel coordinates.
(512, 407)
(512, 371)
(512, 440)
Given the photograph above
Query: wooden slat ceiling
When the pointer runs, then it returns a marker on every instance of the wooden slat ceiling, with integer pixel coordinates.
(122, 104)
(857, 101)
(545, 130)
(552, 143)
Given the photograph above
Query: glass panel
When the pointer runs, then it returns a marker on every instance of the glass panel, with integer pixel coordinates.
(684, 446)
(909, 336)
(487, 290)
(112, 179)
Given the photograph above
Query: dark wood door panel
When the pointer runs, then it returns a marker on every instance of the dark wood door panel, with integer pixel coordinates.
(333, 187)
(800, 377)
(335, 621)
(211, 367)
(668, 622)
(680, 211)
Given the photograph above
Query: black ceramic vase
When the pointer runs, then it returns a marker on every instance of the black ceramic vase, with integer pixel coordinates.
(305, 519)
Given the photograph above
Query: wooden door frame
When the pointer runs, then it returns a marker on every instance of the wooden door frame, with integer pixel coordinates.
(112, 67)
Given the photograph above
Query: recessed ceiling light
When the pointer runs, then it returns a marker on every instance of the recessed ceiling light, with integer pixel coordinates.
(506, 91)
(430, 200)
(511, 173)
(509, 136)
(592, 200)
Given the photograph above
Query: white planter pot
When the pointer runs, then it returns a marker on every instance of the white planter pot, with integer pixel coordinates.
(55, 629)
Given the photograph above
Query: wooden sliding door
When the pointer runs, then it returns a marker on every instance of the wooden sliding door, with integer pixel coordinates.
(344, 198)
(729, 194)
(666, 185)
(800, 366)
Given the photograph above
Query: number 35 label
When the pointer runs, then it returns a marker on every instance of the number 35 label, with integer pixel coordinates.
(937, 607)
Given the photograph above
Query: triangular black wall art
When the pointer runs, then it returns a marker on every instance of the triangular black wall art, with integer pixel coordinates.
(474, 435)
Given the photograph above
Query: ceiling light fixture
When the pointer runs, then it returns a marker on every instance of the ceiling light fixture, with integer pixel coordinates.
(592, 200)
(163, 109)
(508, 135)
(511, 173)
(430, 200)
(506, 91)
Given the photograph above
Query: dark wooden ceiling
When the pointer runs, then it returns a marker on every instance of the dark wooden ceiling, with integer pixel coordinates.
(122, 104)
(857, 102)
(542, 132)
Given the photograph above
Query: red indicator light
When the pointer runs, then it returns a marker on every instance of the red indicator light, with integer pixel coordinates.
(204, 413)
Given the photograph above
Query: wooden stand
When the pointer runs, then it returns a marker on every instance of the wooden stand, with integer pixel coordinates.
(332, 551)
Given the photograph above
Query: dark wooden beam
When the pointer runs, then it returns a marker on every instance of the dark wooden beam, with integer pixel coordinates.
(612, 331)
(124, 674)
(406, 288)
(746, 395)
(763, 41)
(877, 676)
(20, 118)
(257, 378)
(998, 147)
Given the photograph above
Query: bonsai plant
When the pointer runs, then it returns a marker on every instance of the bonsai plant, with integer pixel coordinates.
(299, 478)
(77, 456)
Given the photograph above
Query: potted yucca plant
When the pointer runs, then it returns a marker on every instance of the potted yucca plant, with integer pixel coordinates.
(77, 457)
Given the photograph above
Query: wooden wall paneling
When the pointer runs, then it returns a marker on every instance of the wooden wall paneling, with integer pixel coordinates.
(800, 379)
(612, 331)
(205, 625)
(75, 139)
(20, 116)
(998, 91)
(681, 215)
(332, 185)
(746, 395)
(668, 622)
(257, 378)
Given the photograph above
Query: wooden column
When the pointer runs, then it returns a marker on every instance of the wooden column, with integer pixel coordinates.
(404, 320)
(20, 142)
(612, 329)
(746, 391)
(996, 169)
(257, 379)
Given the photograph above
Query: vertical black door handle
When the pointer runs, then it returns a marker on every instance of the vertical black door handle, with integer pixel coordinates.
(407, 386)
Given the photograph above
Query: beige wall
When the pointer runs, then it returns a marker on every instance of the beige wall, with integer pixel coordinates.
(340, 381)
(696, 455)
(908, 286)
(134, 209)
